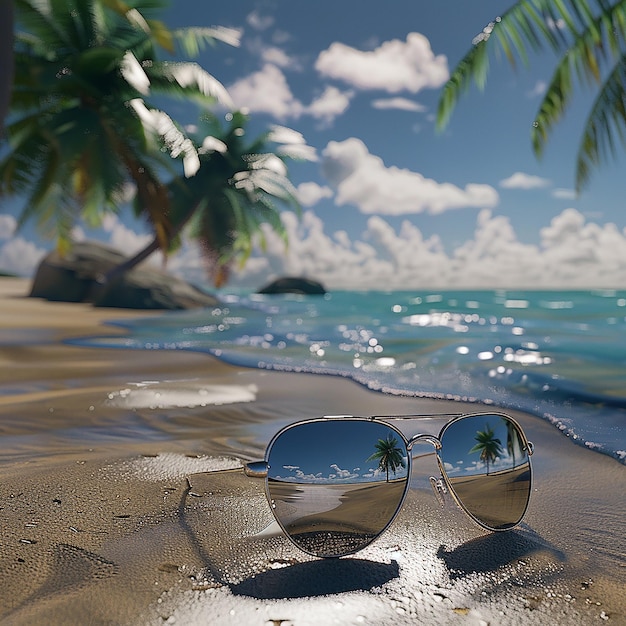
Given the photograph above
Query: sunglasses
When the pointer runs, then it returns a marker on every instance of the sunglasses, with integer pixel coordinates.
(336, 483)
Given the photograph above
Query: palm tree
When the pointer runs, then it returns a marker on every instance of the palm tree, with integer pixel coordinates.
(389, 455)
(590, 36)
(488, 445)
(512, 439)
(80, 127)
(240, 185)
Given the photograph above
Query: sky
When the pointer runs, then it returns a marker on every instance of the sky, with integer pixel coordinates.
(388, 201)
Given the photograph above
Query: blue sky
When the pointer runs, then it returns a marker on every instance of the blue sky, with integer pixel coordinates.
(388, 201)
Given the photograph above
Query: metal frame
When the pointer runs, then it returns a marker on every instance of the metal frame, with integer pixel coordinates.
(259, 469)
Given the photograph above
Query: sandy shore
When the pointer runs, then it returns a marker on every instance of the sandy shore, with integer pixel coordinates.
(99, 526)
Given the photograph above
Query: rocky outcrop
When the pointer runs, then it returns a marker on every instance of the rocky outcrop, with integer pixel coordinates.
(294, 284)
(76, 277)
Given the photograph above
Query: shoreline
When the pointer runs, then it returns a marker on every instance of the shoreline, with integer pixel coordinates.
(98, 526)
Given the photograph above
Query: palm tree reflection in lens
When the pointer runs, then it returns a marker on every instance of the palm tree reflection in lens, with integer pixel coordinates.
(388, 455)
(495, 488)
(489, 446)
(332, 508)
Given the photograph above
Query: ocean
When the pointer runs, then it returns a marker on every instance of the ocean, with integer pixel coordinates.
(560, 355)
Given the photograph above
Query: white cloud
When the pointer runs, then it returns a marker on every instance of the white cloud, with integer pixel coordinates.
(403, 104)
(311, 193)
(563, 194)
(393, 67)
(123, 238)
(273, 54)
(538, 90)
(19, 256)
(572, 253)
(331, 103)
(276, 56)
(266, 91)
(520, 180)
(362, 179)
(8, 225)
(258, 21)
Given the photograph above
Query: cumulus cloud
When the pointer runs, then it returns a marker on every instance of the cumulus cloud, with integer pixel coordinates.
(7, 226)
(17, 255)
(330, 104)
(363, 180)
(122, 237)
(572, 253)
(266, 91)
(276, 56)
(402, 104)
(393, 67)
(520, 180)
(311, 193)
(258, 21)
(272, 54)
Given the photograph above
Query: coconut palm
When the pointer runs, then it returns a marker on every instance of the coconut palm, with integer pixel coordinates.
(389, 454)
(590, 37)
(81, 127)
(512, 439)
(489, 446)
(241, 185)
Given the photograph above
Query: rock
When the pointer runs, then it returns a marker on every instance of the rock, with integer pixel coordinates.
(294, 284)
(74, 278)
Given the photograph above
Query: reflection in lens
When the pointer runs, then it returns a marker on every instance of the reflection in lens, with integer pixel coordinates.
(485, 461)
(335, 485)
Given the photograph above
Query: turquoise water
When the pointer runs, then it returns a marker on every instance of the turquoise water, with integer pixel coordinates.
(560, 355)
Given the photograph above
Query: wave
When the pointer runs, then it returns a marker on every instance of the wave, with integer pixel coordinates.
(557, 355)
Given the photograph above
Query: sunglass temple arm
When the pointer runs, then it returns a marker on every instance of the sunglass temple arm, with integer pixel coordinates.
(256, 469)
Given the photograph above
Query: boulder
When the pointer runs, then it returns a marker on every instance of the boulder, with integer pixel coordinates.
(294, 284)
(74, 278)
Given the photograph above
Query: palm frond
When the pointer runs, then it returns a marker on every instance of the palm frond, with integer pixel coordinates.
(194, 39)
(188, 80)
(606, 121)
(529, 25)
(472, 68)
(162, 125)
(584, 57)
(41, 24)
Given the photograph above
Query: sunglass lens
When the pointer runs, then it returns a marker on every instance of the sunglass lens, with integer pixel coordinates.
(486, 463)
(335, 485)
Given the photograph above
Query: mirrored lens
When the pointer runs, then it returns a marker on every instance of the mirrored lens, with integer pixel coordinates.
(486, 464)
(335, 485)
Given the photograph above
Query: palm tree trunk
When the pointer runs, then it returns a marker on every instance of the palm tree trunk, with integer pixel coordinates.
(6, 58)
(150, 249)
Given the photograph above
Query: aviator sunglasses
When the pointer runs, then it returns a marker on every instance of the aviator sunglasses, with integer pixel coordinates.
(336, 483)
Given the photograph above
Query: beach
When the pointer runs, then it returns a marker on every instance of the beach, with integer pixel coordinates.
(111, 512)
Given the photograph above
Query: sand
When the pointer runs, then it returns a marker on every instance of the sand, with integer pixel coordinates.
(109, 515)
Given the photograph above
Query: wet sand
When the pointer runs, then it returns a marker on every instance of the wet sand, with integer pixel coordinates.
(100, 526)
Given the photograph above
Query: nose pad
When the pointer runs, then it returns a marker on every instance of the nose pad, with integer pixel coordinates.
(439, 489)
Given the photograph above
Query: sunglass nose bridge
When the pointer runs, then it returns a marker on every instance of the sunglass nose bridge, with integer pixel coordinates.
(439, 489)
(434, 441)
